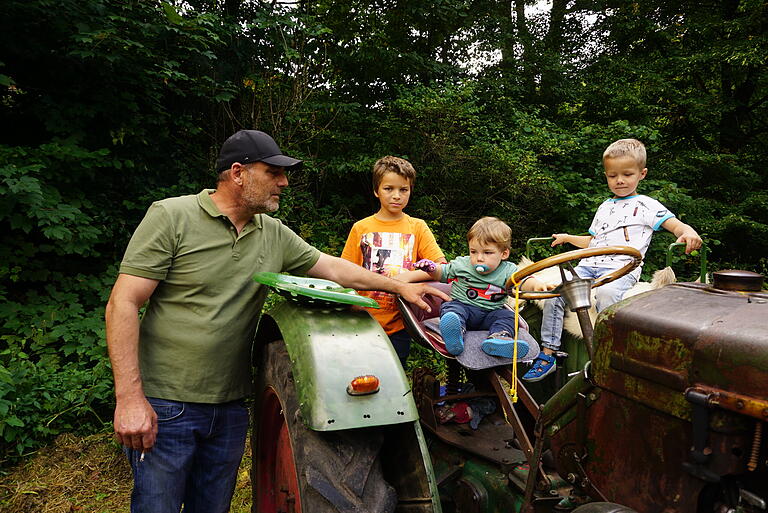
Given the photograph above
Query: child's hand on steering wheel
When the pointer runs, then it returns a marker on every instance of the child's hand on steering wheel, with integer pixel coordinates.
(536, 285)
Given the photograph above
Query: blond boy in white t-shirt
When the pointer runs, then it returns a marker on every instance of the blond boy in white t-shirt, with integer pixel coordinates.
(627, 219)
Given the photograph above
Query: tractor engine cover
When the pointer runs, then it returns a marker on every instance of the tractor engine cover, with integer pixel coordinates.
(653, 347)
(636, 437)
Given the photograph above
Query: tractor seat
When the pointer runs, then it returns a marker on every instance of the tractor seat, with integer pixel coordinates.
(424, 328)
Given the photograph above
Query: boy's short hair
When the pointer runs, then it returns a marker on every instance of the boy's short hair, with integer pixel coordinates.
(491, 230)
(626, 148)
(390, 164)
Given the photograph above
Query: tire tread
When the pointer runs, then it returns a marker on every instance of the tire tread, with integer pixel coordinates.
(339, 471)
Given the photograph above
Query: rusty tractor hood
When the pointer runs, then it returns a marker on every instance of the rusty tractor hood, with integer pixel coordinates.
(655, 346)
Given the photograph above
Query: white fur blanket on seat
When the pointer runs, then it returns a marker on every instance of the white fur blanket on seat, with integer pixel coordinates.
(571, 324)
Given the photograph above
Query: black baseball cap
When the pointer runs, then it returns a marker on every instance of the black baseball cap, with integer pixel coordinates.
(248, 146)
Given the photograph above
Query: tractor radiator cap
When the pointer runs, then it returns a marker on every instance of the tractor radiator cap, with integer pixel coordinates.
(742, 281)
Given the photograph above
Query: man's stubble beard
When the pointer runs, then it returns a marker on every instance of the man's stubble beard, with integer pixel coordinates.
(254, 204)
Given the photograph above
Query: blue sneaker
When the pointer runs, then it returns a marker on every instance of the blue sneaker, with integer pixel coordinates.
(452, 330)
(500, 344)
(543, 366)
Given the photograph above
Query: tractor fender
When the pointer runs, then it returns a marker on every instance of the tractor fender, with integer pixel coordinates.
(328, 347)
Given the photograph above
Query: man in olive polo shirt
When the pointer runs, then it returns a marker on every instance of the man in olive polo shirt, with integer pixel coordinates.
(182, 372)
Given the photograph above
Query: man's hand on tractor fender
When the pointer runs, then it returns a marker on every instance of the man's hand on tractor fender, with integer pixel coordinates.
(135, 423)
(415, 292)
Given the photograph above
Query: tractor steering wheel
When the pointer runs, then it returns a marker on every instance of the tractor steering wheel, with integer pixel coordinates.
(568, 256)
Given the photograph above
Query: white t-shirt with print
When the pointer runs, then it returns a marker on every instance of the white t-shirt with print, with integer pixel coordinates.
(628, 221)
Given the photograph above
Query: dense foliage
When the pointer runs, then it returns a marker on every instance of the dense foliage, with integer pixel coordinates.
(108, 105)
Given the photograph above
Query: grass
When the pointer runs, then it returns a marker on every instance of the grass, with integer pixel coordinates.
(86, 475)
(91, 475)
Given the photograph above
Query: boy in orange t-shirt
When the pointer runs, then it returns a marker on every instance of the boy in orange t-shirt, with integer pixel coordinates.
(390, 242)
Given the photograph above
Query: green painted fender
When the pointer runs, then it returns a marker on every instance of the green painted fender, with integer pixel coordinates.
(328, 348)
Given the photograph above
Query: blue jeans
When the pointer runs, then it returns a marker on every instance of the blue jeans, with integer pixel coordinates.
(401, 341)
(194, 460)
(477, 319)
(606, 295)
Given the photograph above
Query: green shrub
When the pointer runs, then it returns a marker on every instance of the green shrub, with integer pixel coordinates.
(54, 371)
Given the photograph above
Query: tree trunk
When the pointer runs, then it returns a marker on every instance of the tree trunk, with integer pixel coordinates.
(737, 87)
(510, 63)
(552, 53)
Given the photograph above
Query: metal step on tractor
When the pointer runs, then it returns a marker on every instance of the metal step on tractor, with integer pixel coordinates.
(665, 412)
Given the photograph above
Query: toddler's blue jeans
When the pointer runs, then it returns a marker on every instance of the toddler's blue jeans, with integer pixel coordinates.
(477, 319)
(606, 295)
(194, 460)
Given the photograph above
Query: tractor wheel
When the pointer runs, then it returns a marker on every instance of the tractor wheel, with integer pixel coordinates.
(299, 470)
(603, 507)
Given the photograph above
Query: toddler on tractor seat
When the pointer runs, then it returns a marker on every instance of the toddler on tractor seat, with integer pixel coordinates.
(478, 292)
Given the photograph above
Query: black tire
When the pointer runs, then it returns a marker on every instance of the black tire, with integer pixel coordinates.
(337, 471)
(603, 507)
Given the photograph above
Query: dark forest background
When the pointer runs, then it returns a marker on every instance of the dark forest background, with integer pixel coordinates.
(106, 106)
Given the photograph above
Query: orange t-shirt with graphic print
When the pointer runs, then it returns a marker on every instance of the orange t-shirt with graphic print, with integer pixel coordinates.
(388, 248)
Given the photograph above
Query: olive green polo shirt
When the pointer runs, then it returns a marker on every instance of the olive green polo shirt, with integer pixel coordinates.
(196, 334)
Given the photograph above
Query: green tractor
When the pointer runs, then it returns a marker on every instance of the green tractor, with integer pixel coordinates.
(664, 413)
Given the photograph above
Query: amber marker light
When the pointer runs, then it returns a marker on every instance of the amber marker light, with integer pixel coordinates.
(363, 385)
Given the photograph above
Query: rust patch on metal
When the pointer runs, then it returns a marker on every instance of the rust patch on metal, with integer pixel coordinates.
(744, 404)
(655, 373)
